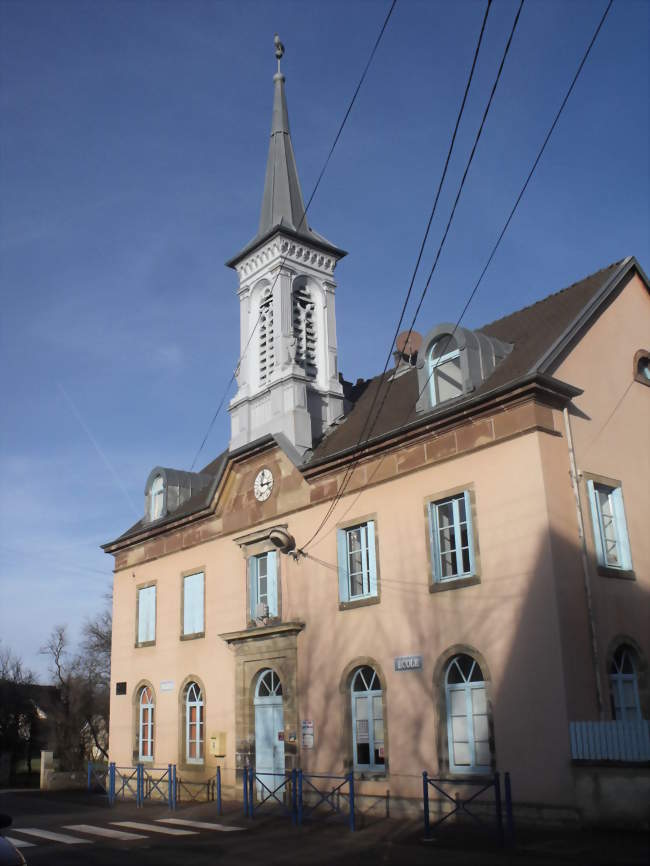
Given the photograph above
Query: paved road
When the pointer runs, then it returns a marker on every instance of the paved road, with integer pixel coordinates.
(71, 829)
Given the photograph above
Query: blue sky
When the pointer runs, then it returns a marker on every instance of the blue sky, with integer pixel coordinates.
(132, 157)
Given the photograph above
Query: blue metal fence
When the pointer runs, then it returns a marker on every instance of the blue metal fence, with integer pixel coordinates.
(299, 796)
(141, 783)
(460, 804)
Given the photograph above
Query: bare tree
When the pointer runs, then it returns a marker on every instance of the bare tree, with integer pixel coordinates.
(18, 711)
(83, 680)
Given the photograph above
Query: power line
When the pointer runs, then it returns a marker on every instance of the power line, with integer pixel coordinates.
(426, 233)
(302, 220)
(350, 470)
(504, 229)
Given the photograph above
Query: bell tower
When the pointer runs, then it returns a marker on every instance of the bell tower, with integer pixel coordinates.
(288, 375)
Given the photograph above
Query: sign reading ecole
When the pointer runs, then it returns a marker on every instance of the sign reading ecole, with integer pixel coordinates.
(408, 663)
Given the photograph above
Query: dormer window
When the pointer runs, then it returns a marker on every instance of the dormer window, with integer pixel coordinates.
(453, 362)
(445, 377)
(156, 498)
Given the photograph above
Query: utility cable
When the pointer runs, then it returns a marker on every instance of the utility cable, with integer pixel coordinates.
(302, 220)
(507, 222)
(360, 443)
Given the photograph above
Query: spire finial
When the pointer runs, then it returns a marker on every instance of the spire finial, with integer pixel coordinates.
(279, 50)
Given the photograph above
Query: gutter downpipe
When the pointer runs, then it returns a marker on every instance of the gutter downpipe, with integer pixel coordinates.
(585, 563)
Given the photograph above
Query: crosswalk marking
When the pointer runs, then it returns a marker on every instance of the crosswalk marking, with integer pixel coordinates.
(19, 843)
(51, 837)
(201, 825)
(152, 828)
(103, 831)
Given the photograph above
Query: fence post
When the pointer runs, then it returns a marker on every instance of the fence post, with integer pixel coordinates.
(425, 802)
(111, 783)
(245, 777)
(174, 785)
(251, 803)
(351, 785)
(170, 799)
(218, 790)
(294, 796)
(300, 797)
(139, 784)
(499, 814)
(510, 822)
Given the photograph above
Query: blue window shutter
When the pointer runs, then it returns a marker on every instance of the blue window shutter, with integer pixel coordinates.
(621, 528)
(433, 533)
(372, 556)
(272, 582)
(470, 532)
(595, 521)
(252, 586)
(342, 548)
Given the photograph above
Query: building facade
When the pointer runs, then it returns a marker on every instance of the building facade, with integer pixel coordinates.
(444, 568)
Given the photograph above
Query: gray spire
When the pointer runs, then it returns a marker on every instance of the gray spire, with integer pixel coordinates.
(282, 202)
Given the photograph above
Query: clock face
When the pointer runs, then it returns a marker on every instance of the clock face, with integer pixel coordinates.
(263, 485)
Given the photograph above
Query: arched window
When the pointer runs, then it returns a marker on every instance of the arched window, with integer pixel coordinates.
(194, 724)
(267, 356)
(367, 721)
(445, 378)
(467, 716)
(145, 724)
(304, 330)
(269, 685)
(156, 497)
(624, 687)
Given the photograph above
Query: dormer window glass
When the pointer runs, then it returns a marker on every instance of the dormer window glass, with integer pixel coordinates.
(445, 377)
(156, 497)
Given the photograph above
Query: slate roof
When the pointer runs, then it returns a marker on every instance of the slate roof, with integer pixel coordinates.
(537, 333)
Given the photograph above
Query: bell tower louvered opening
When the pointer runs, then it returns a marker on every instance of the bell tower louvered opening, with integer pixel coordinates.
(267, 357)
(304, 331)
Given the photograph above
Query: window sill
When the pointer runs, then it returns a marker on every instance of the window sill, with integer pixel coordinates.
(194, 636)
(616, 573)
(145, 643)
(359, 602)
(454, 583)
(369, 775)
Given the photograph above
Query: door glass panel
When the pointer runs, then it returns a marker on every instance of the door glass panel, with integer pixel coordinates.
(458, 702)
(481, 728)
(483, 754)
(461, 754)
(478, 701)
(459, 728)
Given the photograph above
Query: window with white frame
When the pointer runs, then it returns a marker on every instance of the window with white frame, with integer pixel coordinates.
(145, 724)
(624, 687)
(452, 542)
(357, 561)
(263, 585)
(445, 377)
(156, 498)
(194, 723)
(146, 614)
(367, 721)
(609, 525)
(467, 717)
(193, 604)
